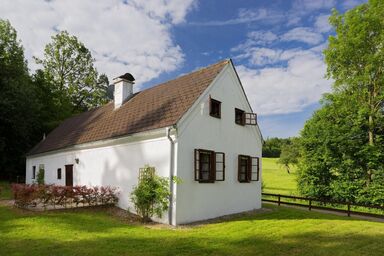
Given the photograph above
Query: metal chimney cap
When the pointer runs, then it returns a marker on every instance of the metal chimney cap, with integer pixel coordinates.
(127, 76)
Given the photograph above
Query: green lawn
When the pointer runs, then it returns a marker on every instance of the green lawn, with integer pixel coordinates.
(282, 231)
(5, 190)
(276, 179)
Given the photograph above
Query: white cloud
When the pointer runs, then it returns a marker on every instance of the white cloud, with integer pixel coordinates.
(322, 24)
(260, 56)
(257, 38)
(132, 36)
(313, 5)
(288, 89)
(246, 16)
(302, 34)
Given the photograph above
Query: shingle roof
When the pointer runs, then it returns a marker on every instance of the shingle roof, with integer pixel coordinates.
(159, 106)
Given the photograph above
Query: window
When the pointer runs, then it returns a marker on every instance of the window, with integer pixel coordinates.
(34, 172)
(215, 108)
(243, 118)
(59, 174)
(209, 166)
(248, 169)
(239, 116)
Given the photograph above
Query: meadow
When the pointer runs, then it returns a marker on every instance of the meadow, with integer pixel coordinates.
(276, 179)
(271, 231)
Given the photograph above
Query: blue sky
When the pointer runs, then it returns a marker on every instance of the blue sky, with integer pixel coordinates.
(276, 45)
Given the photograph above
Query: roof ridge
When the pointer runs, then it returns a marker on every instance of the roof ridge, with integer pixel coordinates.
(187, 74)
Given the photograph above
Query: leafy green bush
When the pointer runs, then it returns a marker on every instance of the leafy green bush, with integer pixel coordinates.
(40, 176)
(151, 195)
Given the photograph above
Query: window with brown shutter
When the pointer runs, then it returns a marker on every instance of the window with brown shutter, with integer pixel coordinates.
(239, 116)
(244, 168)
(209, 166)
(248, 168)
(214, 108)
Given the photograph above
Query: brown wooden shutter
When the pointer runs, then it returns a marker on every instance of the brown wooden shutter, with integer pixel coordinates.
(212, 169)
(255, 168)
(249, 169)
(243, 119)
(197, 165)
(238, 167)
(220, 166)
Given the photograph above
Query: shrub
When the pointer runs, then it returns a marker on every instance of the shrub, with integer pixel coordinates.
(52, 195)
(151, 195)
(40, 176)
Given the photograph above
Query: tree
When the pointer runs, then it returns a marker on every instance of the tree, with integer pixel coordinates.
(19, 123)
(68, 65)
(355, 60)
(334, 153)
(289, 154)
(342, 154)
(272, 147)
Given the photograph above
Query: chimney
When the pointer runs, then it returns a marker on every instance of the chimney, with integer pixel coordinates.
(123, 89)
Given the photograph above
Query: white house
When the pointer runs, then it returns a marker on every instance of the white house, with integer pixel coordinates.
(199, 127)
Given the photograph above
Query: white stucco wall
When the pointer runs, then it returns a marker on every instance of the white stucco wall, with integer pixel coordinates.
(197, 201)
(113, 165)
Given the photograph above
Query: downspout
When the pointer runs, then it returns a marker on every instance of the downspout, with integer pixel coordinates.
(171, 173)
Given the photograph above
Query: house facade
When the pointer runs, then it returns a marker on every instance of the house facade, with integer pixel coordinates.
(199, 127)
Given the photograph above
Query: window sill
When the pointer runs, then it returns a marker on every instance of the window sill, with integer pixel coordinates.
(215, 116)
(206, 181)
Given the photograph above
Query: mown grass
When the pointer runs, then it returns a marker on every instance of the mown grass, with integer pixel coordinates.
(276, 179)
(5, 190)
(281, 231)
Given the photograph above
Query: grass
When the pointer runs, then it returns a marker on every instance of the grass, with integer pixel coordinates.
(280, 231)
(5, 190)
(276, 179)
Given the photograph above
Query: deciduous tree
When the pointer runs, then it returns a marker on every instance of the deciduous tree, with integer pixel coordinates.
(68, 64)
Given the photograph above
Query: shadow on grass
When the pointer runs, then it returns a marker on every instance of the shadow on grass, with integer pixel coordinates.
(155, 242)
(278, 189)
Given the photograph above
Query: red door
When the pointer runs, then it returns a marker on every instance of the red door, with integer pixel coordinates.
(69, 175)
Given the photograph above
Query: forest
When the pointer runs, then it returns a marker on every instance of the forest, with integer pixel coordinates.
(32, 104)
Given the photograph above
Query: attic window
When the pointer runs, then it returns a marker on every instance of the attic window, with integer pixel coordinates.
(239, 116)
(243, 118)
(215, 108)
(209, 166)
(248, 169)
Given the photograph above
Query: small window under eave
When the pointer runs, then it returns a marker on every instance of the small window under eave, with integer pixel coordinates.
(214, 108)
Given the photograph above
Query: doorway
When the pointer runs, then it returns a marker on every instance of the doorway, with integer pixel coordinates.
(69, 175)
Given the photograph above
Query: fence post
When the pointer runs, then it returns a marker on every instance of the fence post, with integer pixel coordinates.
(349, 209)
(310, 204)
(278, 200)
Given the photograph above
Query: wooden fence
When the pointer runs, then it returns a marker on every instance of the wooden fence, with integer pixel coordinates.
(376, 211)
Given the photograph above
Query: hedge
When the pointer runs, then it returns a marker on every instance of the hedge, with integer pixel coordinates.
(26, 195)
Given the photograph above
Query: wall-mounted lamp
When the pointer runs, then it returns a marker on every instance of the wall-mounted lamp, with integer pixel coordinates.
(77, 160)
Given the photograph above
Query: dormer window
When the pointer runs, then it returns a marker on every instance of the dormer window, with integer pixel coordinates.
(215, 108)
(239, 116)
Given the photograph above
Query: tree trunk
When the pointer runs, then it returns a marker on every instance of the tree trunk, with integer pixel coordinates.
(287, 167)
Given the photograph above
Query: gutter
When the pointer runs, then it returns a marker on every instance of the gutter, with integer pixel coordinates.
(171, 173)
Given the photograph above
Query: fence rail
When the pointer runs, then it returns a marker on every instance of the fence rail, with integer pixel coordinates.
(329, 205)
